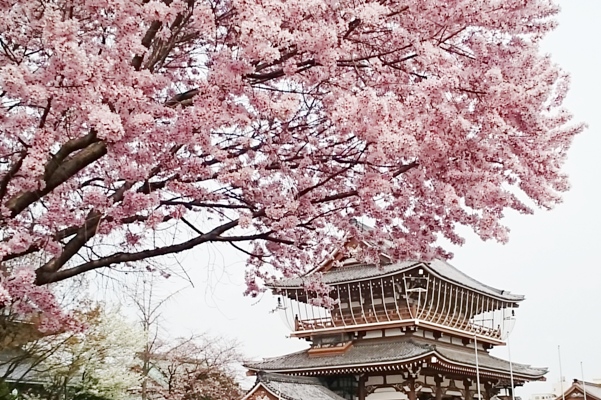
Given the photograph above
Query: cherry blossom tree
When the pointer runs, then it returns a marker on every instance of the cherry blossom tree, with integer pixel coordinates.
(21, 321)
(195, 368)
(114, 358)
(202, 367)
(97, 363)
(131, 130)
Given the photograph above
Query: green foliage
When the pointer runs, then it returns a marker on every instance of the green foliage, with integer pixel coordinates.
(94, 364)
(115, 360)
(6, 391)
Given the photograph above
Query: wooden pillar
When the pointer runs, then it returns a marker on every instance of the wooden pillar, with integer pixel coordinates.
(411, 394)
(438, 393)
(467, 393)
(362, 392)
(488, 390)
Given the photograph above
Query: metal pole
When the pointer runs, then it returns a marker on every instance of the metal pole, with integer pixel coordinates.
(583, 382)
(508, 328)
(563, 394)
(477, 366)
(510, 368)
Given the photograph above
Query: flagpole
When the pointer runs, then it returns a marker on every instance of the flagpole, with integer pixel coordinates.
(507, 332)
(583, 382)
(478, 366)
(563, 394)
(510, 368)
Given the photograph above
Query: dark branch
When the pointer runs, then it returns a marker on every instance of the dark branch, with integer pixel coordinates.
(352, 193)
(11, 173)
(60, 175)
(121, 257)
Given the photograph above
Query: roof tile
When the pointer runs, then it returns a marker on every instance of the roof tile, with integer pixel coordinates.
(440, 268)
(382, 352)
(296, 388)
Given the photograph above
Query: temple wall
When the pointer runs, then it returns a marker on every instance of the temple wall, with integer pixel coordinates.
(397, 387)
(426, 334)
(386, 394)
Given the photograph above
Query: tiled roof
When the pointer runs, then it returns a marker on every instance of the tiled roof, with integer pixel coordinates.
(592, 389)
(351, 273)
(440, 268)
(447, 271)
(467, 357)
(370, 352)
(16, 366)
(295, 387)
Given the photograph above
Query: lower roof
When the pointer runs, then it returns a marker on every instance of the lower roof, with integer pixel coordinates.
(372, 353)
(16, 367)
(292, 387)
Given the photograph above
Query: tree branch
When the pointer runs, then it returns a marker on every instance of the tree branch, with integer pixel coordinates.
(11, 173)
(146, 42)
(196, 203)
(84, 233)
(351, 193)
(60, 175)
(43, 277)
(67, 149)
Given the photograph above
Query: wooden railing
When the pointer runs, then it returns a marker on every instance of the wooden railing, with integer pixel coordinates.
(351, 317)
(342, 318)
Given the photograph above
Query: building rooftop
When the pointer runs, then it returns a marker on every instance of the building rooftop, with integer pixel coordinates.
(592, 389)
(292, 387)
(15, 367)
(389, 352)
(439, 268)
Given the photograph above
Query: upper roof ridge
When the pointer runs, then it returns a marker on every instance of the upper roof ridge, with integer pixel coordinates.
(441, 269)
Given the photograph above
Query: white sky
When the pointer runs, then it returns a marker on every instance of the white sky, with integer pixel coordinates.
(551, 258)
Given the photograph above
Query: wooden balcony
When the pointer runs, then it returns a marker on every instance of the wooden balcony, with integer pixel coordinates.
(381, 318)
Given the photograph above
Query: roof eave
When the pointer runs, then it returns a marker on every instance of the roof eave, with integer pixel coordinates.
(430, 353)
(515, 298)
(493, 370)
(361, 365)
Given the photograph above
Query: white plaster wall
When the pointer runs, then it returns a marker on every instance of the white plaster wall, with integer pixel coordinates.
(387, 394)
(395, 379)
(394, 332)
(374, 380)
(372, 334)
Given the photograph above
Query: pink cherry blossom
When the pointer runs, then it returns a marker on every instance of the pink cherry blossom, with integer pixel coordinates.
(277, 123)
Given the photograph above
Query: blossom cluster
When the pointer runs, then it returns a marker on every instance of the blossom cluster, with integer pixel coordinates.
(276, 122)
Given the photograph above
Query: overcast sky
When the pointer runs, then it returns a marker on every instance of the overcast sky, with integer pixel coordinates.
(552, 257)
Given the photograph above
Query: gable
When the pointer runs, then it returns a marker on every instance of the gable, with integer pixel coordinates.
(259, 392)
(593, 392)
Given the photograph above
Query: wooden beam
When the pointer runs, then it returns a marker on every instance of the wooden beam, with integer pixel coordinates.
(438, 393)
(362, 392)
